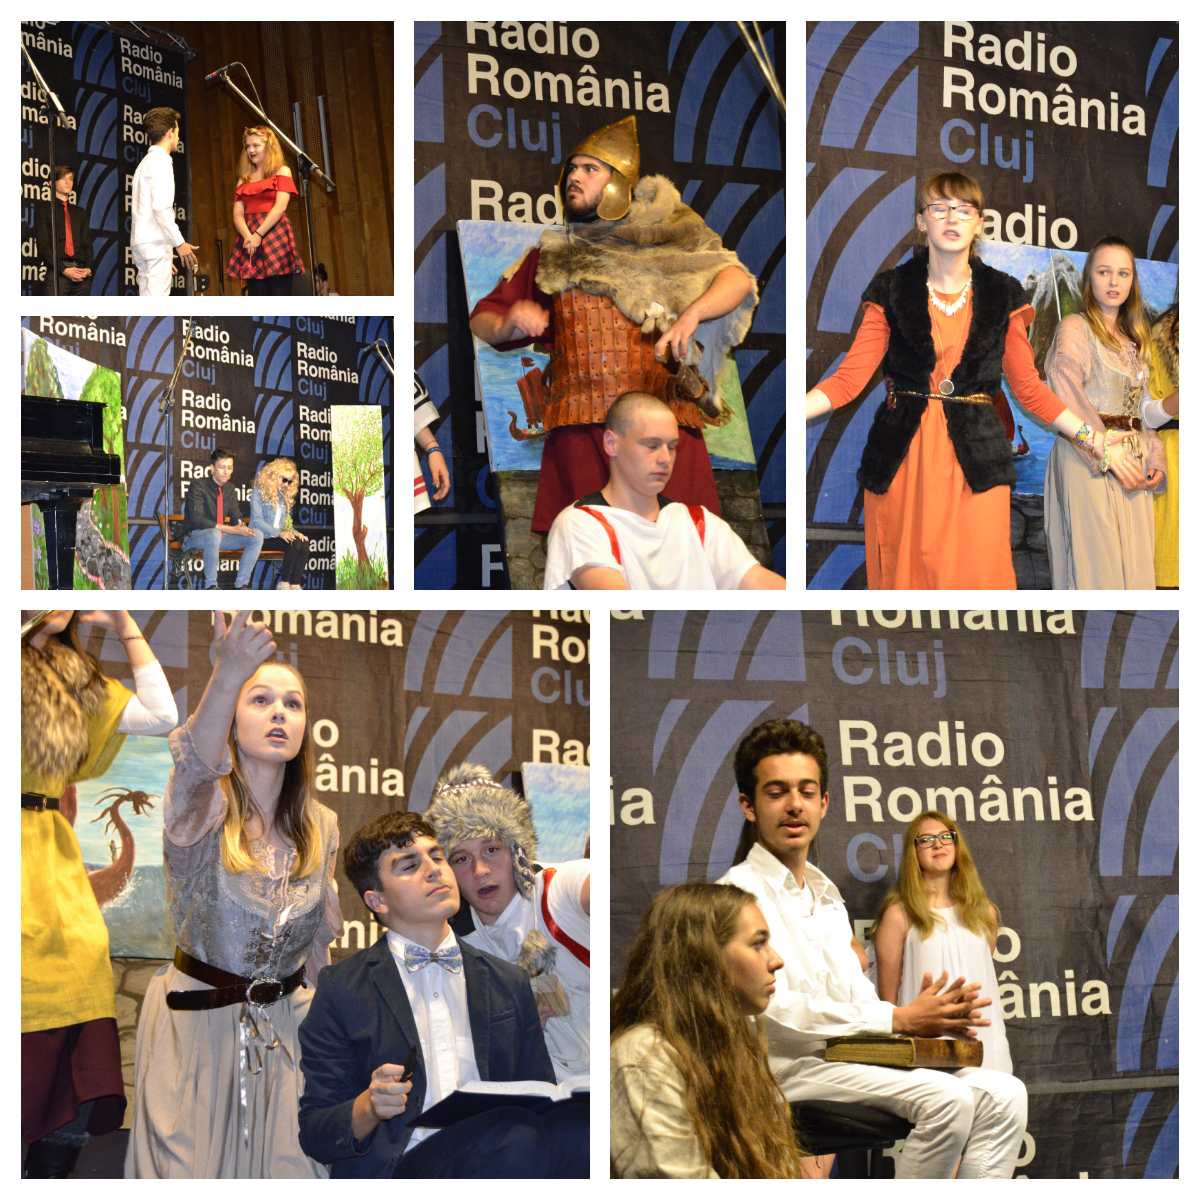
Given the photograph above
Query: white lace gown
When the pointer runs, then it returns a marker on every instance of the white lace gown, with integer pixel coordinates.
(960, 952)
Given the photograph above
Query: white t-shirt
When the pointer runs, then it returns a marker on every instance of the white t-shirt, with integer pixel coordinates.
(662, 555)
(567, 1038)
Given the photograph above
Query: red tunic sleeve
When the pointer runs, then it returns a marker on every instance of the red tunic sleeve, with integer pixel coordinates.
(1021, 371)
(522, 286)
(862, 359)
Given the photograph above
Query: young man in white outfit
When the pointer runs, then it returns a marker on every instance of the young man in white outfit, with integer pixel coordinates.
(628, 536)
(539, 920)
(980, 1115)
(154, 234)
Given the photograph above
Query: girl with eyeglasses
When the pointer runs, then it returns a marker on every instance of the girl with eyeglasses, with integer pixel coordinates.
(938, 918)
(937, 468)
(271, 500)
(265, 253)
(1100, 521)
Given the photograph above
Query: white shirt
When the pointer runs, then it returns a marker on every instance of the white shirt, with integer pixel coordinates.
(153, 204)
(662, 555)
(439, 1004)
(567, 1038)
(821, 991)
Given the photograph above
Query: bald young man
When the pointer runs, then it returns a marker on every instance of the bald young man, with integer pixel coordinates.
(628, 536)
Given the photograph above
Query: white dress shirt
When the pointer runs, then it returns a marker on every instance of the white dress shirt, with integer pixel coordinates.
(439, 1005)
(153, 204)
(567, 1038)
(822, 991)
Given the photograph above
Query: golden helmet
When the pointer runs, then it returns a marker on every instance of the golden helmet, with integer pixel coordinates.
(616, 146)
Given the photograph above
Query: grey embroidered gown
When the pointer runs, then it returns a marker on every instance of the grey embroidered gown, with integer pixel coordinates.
(199, 1112)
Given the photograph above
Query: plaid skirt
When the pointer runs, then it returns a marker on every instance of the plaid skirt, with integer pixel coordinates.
(276, 256)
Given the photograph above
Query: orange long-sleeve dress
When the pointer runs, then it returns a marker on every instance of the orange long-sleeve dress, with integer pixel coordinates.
(930, 530)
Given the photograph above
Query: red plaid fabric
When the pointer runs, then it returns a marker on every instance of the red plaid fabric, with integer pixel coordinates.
(276, 256)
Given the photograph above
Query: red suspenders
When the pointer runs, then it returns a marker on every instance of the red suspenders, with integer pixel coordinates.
(581, 952)
(695, 511)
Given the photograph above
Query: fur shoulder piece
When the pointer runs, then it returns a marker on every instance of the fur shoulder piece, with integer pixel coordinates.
(468, 803)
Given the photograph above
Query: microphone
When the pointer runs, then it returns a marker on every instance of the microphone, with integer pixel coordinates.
(220, 71)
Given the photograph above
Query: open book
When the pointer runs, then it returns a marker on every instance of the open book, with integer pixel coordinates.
(480, 1096)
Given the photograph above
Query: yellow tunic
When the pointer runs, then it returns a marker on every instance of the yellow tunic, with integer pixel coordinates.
(66, 978)
(1166, 505)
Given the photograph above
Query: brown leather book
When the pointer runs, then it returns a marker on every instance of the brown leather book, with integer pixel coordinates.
(909, 1052)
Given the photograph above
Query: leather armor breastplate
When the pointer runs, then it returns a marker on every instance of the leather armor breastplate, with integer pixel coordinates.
(600, 354)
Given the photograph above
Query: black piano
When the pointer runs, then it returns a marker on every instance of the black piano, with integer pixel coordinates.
(63, 463)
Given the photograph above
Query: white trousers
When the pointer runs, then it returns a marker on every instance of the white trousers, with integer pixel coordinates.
(975, 1113)
(153, 262)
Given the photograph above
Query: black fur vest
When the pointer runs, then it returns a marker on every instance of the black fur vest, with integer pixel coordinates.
(976, 430)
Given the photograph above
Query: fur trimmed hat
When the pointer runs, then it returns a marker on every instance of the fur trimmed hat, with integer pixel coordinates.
(468, 803)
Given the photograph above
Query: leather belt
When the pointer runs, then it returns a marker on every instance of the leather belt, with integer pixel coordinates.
(1122, 422)
(37, 802)
(227, 988)
(1172, 424)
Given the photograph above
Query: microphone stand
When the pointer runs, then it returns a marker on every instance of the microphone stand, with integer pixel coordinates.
(60, 116)
(384, 354)
(306, 165)
(166, 403)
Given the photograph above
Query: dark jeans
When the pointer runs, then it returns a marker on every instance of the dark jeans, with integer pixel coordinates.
(273, 285)
(295, 558)
(505, 1143)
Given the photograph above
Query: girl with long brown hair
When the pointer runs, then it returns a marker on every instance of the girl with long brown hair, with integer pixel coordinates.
(692, 1095)
(1100, 526)
(265, 253)
(937, 468)
(74, 721)
(248, 858)
(938, 918)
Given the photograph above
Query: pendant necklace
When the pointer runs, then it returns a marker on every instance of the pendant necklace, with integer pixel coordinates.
(946, 387)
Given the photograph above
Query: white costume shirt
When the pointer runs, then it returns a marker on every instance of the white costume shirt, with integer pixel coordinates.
(153, 203)
(567, 1038)
(662, 555)
(822, 991)
(439, 1004)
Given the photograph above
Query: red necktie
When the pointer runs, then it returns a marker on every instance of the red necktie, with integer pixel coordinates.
(220, 506)
(70, 240)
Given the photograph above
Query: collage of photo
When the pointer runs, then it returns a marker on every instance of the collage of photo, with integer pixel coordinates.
(306, 892)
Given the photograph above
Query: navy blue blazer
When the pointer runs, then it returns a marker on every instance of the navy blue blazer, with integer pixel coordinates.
(360, 1018)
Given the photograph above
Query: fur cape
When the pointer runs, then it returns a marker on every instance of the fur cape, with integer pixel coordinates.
(1166, 337)
(652, 263)
(976, 430)
(58, 691)
(468, 803)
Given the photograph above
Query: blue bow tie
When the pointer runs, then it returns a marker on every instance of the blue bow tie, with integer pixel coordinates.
(417, 957)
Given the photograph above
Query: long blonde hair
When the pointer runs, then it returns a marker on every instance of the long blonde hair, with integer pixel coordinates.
(296, 814)
(975, 911)
(272, 154)
(267, 484)
(1131, 317)
(679, 981)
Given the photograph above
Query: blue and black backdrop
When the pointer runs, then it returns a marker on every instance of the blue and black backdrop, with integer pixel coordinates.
(1052, 737)
(394, 700)
(259, 386)
(1070, 128)
(106, 80)
(497, 106)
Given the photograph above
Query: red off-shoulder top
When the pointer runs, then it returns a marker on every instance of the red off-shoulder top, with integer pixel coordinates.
(259, 195)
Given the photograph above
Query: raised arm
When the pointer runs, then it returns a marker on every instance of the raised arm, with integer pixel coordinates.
(239, 650)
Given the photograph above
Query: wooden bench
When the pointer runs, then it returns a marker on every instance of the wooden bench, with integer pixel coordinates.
(178, 558)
